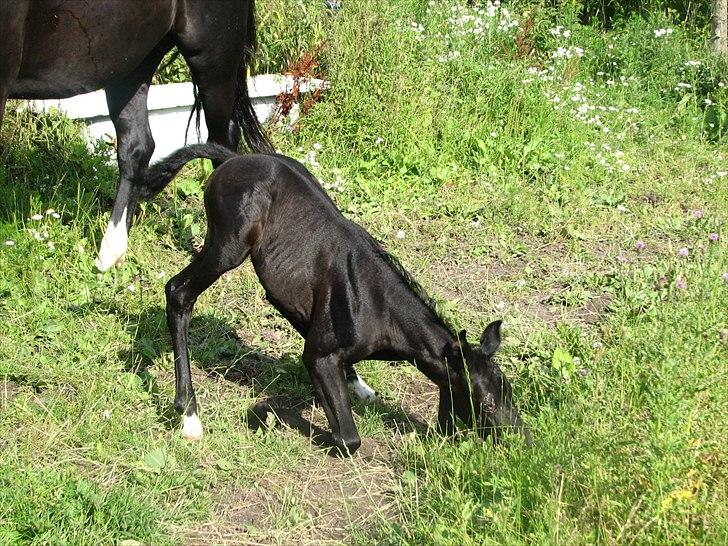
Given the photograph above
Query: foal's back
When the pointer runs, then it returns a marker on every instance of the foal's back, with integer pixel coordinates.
(313, 263)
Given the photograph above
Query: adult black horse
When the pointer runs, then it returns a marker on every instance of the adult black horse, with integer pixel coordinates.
(61, 48)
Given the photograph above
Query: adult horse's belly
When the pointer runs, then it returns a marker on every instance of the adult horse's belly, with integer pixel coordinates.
(75, 46)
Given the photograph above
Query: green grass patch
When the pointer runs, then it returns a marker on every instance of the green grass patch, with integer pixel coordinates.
(524, 166)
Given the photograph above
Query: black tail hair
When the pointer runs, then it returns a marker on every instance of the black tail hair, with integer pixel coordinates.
(162, 172)
(243, 112)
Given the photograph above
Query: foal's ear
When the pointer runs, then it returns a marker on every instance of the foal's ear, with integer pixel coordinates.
(491, 338)
(461, 345)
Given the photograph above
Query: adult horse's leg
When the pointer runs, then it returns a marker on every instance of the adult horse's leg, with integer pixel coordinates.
(12, 23)
(127, 101)
(217, 55)
(135, 145)
(217, 93)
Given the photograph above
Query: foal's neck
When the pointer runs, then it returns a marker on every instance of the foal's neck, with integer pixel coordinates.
(433, 348)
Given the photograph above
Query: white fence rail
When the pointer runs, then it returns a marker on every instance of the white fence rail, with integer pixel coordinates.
(169, 110)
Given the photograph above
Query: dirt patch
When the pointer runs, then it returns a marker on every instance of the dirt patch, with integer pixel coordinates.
(8, 390)
(595, 309)
(469, 285)
(321, 501)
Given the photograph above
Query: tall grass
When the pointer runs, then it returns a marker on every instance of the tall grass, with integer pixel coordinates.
(524, 166)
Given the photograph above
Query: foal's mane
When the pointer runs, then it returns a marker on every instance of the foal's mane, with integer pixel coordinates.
(413, 285)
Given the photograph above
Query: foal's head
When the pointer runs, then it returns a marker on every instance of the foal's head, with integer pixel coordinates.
(486, 398)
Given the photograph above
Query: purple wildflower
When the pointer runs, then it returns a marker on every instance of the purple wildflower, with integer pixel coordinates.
(683, 252)
(681, 284)
(713, 237)
(698, 214)
(640, 244)
(724, 276)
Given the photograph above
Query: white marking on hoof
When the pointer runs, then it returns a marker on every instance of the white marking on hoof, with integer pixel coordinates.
(191, 427)
(113, 245)
(361, 390)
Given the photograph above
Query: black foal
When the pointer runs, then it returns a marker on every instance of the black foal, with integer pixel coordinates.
(335, 284)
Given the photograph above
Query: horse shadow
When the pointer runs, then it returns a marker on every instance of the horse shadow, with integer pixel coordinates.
(282, 383)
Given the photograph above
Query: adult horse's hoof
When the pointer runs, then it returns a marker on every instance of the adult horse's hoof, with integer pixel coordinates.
(104, 263)
(114, 244)
(191, 427)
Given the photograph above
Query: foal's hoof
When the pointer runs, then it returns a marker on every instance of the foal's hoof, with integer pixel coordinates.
(361, 391)
(191, 427)
(346, 448)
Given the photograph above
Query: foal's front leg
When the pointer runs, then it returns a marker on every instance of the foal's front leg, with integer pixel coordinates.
(329, 383)
(358, 387)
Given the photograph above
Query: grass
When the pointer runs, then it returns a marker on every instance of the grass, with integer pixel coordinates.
(490, 176)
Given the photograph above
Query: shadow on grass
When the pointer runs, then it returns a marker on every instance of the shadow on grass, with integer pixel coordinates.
(219, 352)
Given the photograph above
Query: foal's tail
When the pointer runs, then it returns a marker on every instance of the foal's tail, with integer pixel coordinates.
(243, 112)
(162, 172)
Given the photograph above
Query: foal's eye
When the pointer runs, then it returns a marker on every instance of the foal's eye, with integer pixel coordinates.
(489, 403)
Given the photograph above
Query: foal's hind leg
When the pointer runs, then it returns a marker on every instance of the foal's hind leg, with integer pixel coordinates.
(182, 292)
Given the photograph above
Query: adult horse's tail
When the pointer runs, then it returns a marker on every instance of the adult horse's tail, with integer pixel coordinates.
(243, 112)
